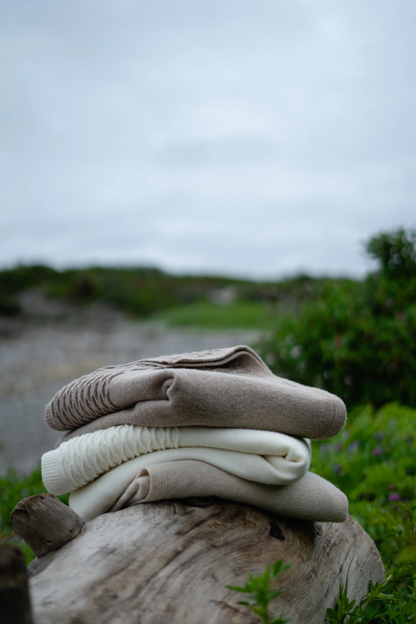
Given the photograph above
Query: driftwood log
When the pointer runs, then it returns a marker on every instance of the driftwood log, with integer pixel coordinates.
(45, 523)
(170, 562)
(14, 590)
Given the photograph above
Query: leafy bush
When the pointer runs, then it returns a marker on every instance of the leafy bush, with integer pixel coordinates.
(357, 340)
(396, 252)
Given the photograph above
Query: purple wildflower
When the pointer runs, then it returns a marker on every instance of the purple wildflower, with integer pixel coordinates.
(353, 446)
(394, 497)
(338, 447)
(337, 468)
(377, 451)
(379, 435)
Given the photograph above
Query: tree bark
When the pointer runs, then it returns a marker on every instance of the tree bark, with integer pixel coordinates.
(169, 562)
(45, 523)
(14, 590)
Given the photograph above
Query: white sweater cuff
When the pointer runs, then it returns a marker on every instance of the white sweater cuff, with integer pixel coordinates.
(52, 476)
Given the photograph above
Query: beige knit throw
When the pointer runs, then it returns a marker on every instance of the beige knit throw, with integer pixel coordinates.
(229, 387)
(310, 498)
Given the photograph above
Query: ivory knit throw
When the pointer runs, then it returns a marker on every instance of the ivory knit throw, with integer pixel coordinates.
(261, 456)
(219, 388)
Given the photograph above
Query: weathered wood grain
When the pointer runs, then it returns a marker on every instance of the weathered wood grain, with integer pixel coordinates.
(167, 562)
(14, 590)
(45, 523)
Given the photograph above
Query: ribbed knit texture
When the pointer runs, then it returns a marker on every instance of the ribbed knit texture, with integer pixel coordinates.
(52, 472)
(85, 399)
(267, 457)
(88, 398)
(83, 459)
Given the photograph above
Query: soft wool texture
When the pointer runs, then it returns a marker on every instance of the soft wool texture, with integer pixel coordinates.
(310, 498)
(219, 388)
(264, 457)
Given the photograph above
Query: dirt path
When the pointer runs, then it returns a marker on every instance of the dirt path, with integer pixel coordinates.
(36, 360)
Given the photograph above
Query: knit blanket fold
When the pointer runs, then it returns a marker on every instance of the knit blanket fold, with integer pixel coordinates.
(309, 498)
(264, 457)
(230, 388)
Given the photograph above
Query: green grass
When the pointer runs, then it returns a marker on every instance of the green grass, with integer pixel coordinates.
(202, 314)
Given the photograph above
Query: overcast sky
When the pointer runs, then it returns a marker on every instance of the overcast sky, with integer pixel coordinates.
(256, 138)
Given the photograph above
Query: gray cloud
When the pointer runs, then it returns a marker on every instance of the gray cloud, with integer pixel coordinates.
(248, 138)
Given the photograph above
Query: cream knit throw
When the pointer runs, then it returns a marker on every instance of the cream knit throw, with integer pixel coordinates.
(261, 456)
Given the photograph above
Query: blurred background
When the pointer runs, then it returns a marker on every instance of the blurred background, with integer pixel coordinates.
(185, 175)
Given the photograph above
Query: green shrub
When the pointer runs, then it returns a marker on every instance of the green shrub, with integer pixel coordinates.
(395, 252)
(357, 340)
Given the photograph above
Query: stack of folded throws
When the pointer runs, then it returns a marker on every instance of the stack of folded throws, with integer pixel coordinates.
(214, 423)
